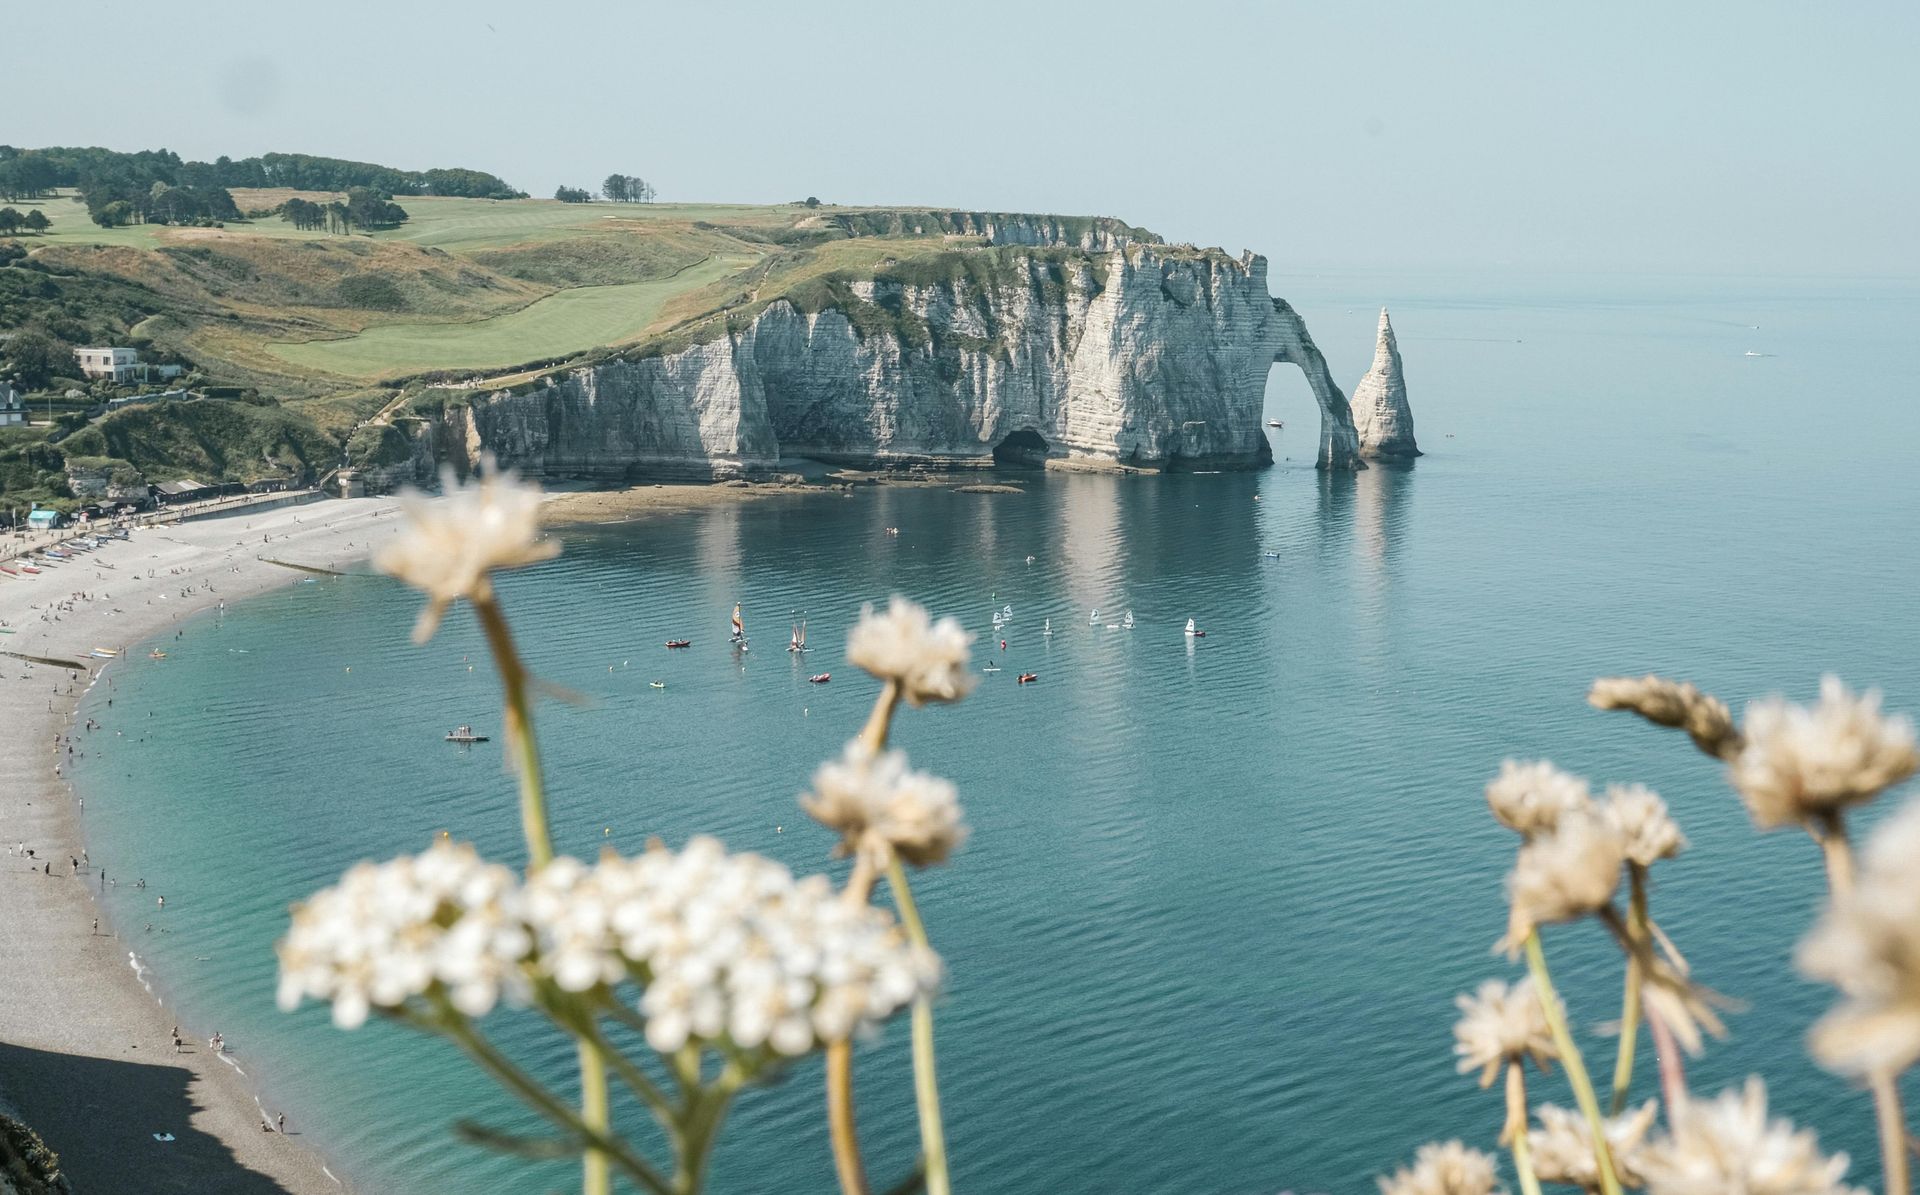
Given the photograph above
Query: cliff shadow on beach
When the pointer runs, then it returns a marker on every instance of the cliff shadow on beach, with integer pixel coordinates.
(101, 1116)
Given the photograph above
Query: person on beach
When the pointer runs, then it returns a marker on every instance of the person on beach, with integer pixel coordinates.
(163, 902)
(282, 1122)
(96, 927)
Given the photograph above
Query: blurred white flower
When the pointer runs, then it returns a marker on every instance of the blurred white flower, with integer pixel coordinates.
(928, 659)
(1728, 1146)
(733, 948)
(1642, 819)
(876, 801)
(452, 542)
(1804, 762)
(569, 908)
(1563, 875)
(1443, 1169)
(1530, 798)
(1868, 946)
(1562, 1147)
(391, 931)
(1500, 1024)
(1706, 719)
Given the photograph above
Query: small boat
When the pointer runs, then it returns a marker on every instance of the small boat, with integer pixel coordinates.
(1127, 622)
(679, 643)
(799, 640)
(656, 684)
(1094, 617)
(1027, 678)
(1047, 630)
(1194, 632)
(104, 653)
(739, 636)
(8, 571)
(990, 667)
(465, 735)
(1275, 423)
(156, 654)
(820, 678)
(1271, 555)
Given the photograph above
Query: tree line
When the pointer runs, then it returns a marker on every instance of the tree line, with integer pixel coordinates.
(11, 221)
(618, 188)
(363, 209)
(34, 173)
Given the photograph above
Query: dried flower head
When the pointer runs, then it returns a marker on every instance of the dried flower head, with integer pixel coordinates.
(1530, 798)
(927, 659)
(1500, 1024)
(1566, 874)
(729, 948)
(451, 543)
(1682, 1005)
(878, 804)
(443, 920)
(1642, 819)
(1728, 1145)
(1443, 1169)
(1562, 1147)
(1705, 718)
(1802, 763)
(1868, 946)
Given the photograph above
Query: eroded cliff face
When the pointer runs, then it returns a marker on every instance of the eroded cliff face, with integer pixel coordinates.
(1380, 411)
(1140, 355)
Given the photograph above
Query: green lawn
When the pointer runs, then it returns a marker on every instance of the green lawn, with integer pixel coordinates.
(570, 321)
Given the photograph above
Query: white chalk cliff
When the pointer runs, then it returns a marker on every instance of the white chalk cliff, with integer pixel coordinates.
(1098, 348)
(1380, 411)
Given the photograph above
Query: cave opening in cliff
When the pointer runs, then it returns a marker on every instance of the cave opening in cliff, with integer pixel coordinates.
(1024, 447)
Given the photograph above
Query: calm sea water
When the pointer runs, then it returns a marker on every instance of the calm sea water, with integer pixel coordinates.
(1220, 894)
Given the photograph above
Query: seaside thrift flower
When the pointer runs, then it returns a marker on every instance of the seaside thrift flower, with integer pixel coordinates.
(1563, 875)
(1562, 1147)
(389, 932)
(1706, 719)
(1802, 763)
(453, 542)
(1729, 1146)
(877, 803)
(1530, 798)
(1449, 1169)
(1500, 1024)
(730, 948)
(1642, 819)
(1868, 946)
(927, 659)
(1681, 1004)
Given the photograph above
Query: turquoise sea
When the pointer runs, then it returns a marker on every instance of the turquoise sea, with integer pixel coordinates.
(1219, 895)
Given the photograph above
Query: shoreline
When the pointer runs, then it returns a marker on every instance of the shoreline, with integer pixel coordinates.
(85, 1048)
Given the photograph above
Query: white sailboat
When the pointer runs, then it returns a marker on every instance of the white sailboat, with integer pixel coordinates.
(1047, 630)
(1094, 618)
(798, 642)
(1127, 622)
(1194, 632)
(739, 636)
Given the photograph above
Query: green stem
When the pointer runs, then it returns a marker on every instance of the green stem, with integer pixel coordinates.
(595, 1178)
(702, 1127)
(1516, 1130)
(1570, 1058)
(519, 728)
(1630, 1002)
(926, 1082)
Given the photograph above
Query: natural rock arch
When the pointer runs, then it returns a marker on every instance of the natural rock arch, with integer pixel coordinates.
(1339, 440)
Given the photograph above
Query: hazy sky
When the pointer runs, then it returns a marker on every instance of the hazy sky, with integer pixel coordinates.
(1674, 136)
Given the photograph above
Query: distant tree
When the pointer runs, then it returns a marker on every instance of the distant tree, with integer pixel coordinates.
(36, 359)
(615, 188)
(813, 201)
(10, 220)
(37, 221)
(566, 194)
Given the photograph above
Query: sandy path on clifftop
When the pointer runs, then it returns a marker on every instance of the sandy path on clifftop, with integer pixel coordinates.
(85, 1054)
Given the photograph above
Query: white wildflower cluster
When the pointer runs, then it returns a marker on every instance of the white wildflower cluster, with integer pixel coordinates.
(877, 802)
(1641, 817)
(1500, 1024)
(452, 542)
(1530, 798)
(1443, 1169)
(390, 931)
(726, 948)
(1801, 763)
(1562, 1147)
(1564, 875)
(927, 659)
(1868, 946)
(1729, 1145)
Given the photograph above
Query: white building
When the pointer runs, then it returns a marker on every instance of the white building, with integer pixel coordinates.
(13, 408)
(121, 365)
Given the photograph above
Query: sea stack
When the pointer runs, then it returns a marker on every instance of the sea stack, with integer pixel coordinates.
(1380, 411)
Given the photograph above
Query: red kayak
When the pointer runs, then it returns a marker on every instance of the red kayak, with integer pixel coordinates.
(820, 678)
(1027, 678)
(679, 643)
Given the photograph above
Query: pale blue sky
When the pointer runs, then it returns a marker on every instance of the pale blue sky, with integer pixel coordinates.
(1747, 137)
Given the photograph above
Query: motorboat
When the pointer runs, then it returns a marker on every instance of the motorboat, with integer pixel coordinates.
(820, 678)
(679, 643)
(465, 735)
(656, 684)
(156, 654)
(1027, 678)
(1275, 423)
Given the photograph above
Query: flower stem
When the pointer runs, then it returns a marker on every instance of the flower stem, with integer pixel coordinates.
(1673, 1066)
(595, 1178)
(1830, 831)
(519, 728)
(1515, 1132)
(1630, 1001)
(874, 734)
(1570, 1058)
(926, 1082)
(1892, 1122)
(841, 1126)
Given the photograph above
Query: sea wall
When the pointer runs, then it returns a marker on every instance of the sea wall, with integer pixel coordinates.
(1140, 354)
